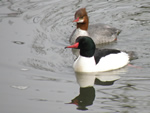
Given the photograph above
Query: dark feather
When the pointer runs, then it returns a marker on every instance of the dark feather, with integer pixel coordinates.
(99, 53)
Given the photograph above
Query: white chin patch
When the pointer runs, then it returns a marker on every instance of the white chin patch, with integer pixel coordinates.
(81, 21)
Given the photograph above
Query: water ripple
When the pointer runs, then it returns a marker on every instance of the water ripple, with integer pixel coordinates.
(51, 25)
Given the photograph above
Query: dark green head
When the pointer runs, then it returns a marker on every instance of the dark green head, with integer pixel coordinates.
(86, 46)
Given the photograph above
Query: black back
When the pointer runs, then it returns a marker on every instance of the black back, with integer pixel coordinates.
(88, 49)
(99, 53)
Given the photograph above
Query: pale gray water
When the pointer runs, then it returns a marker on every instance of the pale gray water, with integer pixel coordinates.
(36, 74)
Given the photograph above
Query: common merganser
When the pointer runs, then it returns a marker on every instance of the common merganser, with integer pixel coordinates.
(96, 60)
(100, 33)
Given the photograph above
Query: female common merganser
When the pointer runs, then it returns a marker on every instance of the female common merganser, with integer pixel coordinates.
(95, 60)
(100, 33)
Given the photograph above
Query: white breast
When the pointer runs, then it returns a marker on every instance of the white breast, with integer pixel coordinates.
(84, 64)
(78, 33)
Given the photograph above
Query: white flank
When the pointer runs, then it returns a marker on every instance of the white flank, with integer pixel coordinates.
(107, 63)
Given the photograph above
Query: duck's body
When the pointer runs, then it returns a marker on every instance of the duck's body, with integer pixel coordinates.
(100, 33)
(106, 63)
(103, 33)
(94, 60)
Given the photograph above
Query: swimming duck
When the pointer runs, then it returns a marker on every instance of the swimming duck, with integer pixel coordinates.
(97, 60)
(100, 33)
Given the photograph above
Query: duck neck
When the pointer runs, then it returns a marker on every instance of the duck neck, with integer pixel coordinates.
(86, 53)
(84, 25)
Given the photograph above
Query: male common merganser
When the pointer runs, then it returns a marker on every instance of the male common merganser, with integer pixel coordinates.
(100, 33)
(96, 60)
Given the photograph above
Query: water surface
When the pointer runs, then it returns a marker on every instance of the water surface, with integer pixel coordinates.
(36, 74)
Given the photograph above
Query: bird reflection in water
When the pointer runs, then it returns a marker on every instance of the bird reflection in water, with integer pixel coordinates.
(86, 82)
(85, 98)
